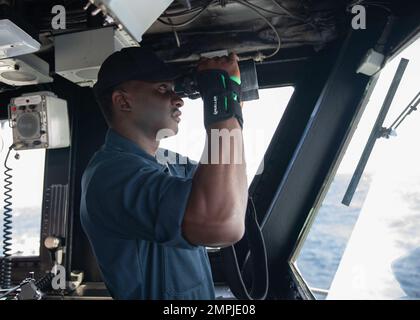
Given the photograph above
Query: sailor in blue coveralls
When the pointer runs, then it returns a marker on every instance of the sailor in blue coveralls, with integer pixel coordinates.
(149, 221)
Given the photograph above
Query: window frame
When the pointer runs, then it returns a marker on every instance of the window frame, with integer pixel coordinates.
(315, 154)
(312, 213)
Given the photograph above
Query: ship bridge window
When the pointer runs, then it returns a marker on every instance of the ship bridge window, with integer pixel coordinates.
(27, 177)
(261, 118)
(371, 249)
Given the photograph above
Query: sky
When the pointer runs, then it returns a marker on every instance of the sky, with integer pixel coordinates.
(27, 172)
(261, 118)
(391, 148)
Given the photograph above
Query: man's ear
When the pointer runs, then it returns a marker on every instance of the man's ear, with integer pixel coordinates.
(119, 100)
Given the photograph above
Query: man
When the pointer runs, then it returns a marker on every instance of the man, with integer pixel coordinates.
(149, 222)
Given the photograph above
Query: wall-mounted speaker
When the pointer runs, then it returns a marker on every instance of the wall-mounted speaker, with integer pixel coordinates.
(39, 120)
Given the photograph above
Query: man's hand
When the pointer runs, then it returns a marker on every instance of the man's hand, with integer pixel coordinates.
(226, 63)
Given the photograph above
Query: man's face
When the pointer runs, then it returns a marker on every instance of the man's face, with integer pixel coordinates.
(153, 106)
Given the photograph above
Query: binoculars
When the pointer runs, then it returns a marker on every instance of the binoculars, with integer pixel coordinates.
(186, 86)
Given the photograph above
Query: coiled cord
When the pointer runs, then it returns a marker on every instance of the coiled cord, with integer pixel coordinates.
(6, 268)
(44, 283)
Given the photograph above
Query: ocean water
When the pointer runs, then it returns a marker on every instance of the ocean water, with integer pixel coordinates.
(325, 244)
(382, 260)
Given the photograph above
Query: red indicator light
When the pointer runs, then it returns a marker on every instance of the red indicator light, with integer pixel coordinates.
(13, 109)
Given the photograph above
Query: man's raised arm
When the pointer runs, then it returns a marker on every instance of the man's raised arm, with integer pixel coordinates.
(215, 213)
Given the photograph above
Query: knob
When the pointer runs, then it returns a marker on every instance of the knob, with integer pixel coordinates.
(52, 243)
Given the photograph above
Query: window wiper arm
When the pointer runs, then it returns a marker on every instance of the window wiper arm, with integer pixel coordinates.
(412, 106)
(376, 133)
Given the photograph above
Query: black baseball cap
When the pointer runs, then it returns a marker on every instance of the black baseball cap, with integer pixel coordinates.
(133, 63)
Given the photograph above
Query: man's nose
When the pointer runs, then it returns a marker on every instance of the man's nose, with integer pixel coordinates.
(177, 101)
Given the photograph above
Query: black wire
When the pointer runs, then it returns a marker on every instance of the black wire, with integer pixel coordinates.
(287, 11)
(379, 6)
(13, 289)
(265, 10)
(181, 13)
(269, 24)
(44, 283)
(41, 284)
(6, 267)
(187, 22)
